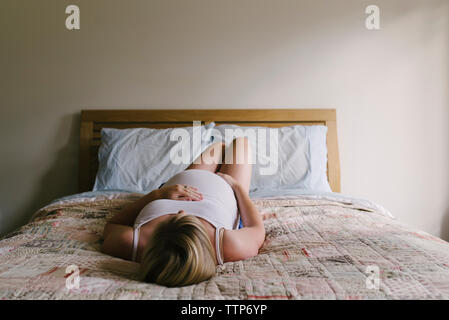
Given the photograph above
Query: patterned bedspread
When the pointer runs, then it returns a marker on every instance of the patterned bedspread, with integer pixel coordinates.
(315, 248)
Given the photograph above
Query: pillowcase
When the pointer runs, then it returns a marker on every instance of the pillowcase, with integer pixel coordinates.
(293, 157)
(140, 160)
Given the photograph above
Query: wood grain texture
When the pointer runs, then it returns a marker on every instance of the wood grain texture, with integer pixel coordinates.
(92, 121)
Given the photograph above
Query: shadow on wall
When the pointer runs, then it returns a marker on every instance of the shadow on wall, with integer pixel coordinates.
(61, 179)
(444, 233)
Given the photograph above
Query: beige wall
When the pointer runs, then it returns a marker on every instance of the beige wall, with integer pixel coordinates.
(390, 87)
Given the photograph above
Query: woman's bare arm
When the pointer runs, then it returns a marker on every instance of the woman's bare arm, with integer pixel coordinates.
(118, 241)
(118, 231)
(249, 214)
(246, 242)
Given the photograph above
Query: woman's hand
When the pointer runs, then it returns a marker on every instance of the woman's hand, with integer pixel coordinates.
(180, 192)
(229, 179)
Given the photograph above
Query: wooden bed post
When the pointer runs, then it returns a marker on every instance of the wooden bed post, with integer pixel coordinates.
(86, 135)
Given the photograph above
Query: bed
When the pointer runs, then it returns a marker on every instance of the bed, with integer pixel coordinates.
(318, 245)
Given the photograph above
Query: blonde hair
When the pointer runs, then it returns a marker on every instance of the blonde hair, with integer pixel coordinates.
(179, 252)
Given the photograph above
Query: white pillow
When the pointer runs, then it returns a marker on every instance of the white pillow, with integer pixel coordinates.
(140, 160)
(295, 157)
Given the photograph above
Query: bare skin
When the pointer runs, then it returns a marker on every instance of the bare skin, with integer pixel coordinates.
(236, 244)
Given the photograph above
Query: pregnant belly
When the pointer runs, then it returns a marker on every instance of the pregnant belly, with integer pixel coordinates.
(211, 185)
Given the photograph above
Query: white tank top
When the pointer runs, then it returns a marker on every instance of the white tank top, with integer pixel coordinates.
(218, 206)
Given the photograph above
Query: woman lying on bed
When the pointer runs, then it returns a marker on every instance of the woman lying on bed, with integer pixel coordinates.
(181, 231)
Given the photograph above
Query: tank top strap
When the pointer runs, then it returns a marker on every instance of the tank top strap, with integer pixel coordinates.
(135, 242)
(217, 245)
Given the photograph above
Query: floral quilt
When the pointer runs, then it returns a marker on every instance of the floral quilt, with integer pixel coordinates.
(315, 248)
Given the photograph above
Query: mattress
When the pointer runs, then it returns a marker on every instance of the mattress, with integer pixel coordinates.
(318, 246)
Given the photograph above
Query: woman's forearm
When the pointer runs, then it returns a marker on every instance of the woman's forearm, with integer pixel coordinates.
(129, 213)
(248, 212)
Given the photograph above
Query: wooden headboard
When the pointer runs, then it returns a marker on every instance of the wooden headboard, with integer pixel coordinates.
(92, 121)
